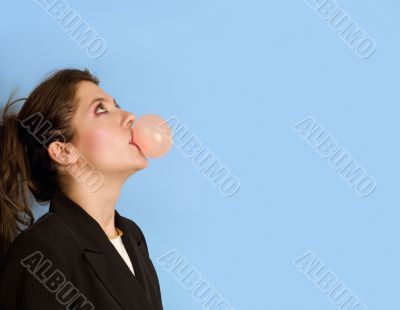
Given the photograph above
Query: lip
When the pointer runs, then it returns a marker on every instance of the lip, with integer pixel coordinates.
(132, 142)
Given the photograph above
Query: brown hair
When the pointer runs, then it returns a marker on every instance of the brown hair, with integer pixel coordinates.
(26, 166)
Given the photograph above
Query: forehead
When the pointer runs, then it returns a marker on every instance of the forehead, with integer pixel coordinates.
(86, 91)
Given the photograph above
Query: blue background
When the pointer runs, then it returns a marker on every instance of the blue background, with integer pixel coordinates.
(240, 74)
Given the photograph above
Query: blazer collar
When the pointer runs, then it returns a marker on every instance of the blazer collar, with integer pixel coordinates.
(128, 290)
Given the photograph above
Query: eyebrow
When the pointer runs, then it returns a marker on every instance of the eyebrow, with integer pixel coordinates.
(99, 99)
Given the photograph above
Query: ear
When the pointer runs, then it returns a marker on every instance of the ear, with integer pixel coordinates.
(63, 153)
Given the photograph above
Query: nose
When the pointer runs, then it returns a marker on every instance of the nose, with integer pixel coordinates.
(129, 119)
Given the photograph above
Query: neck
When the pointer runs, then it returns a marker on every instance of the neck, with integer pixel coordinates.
(100, 205)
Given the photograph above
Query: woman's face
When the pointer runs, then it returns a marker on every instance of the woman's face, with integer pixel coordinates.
(103, 132)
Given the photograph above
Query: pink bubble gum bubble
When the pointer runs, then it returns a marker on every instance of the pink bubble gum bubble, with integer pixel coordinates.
(153, 135)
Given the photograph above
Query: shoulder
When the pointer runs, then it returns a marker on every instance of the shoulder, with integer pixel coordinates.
(42, 237)
(49, 230)
(32, 259)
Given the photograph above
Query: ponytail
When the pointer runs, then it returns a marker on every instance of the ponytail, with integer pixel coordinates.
(14, 180)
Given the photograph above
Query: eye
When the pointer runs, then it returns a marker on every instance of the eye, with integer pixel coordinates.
(102, 106)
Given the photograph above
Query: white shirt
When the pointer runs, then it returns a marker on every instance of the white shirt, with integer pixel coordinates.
(117, 242)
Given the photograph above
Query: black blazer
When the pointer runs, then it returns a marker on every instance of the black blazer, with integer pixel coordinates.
(66, 261)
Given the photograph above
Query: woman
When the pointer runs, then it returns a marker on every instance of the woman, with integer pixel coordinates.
(70, 145)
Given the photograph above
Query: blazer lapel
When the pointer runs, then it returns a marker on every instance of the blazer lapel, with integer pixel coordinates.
(131, 242)
(129, 291)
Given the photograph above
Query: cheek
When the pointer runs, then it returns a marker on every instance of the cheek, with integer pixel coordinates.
(96, 141)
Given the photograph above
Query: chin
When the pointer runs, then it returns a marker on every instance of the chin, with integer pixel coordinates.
(141, 164)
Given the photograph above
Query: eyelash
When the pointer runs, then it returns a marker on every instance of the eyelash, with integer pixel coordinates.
(101, 104)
